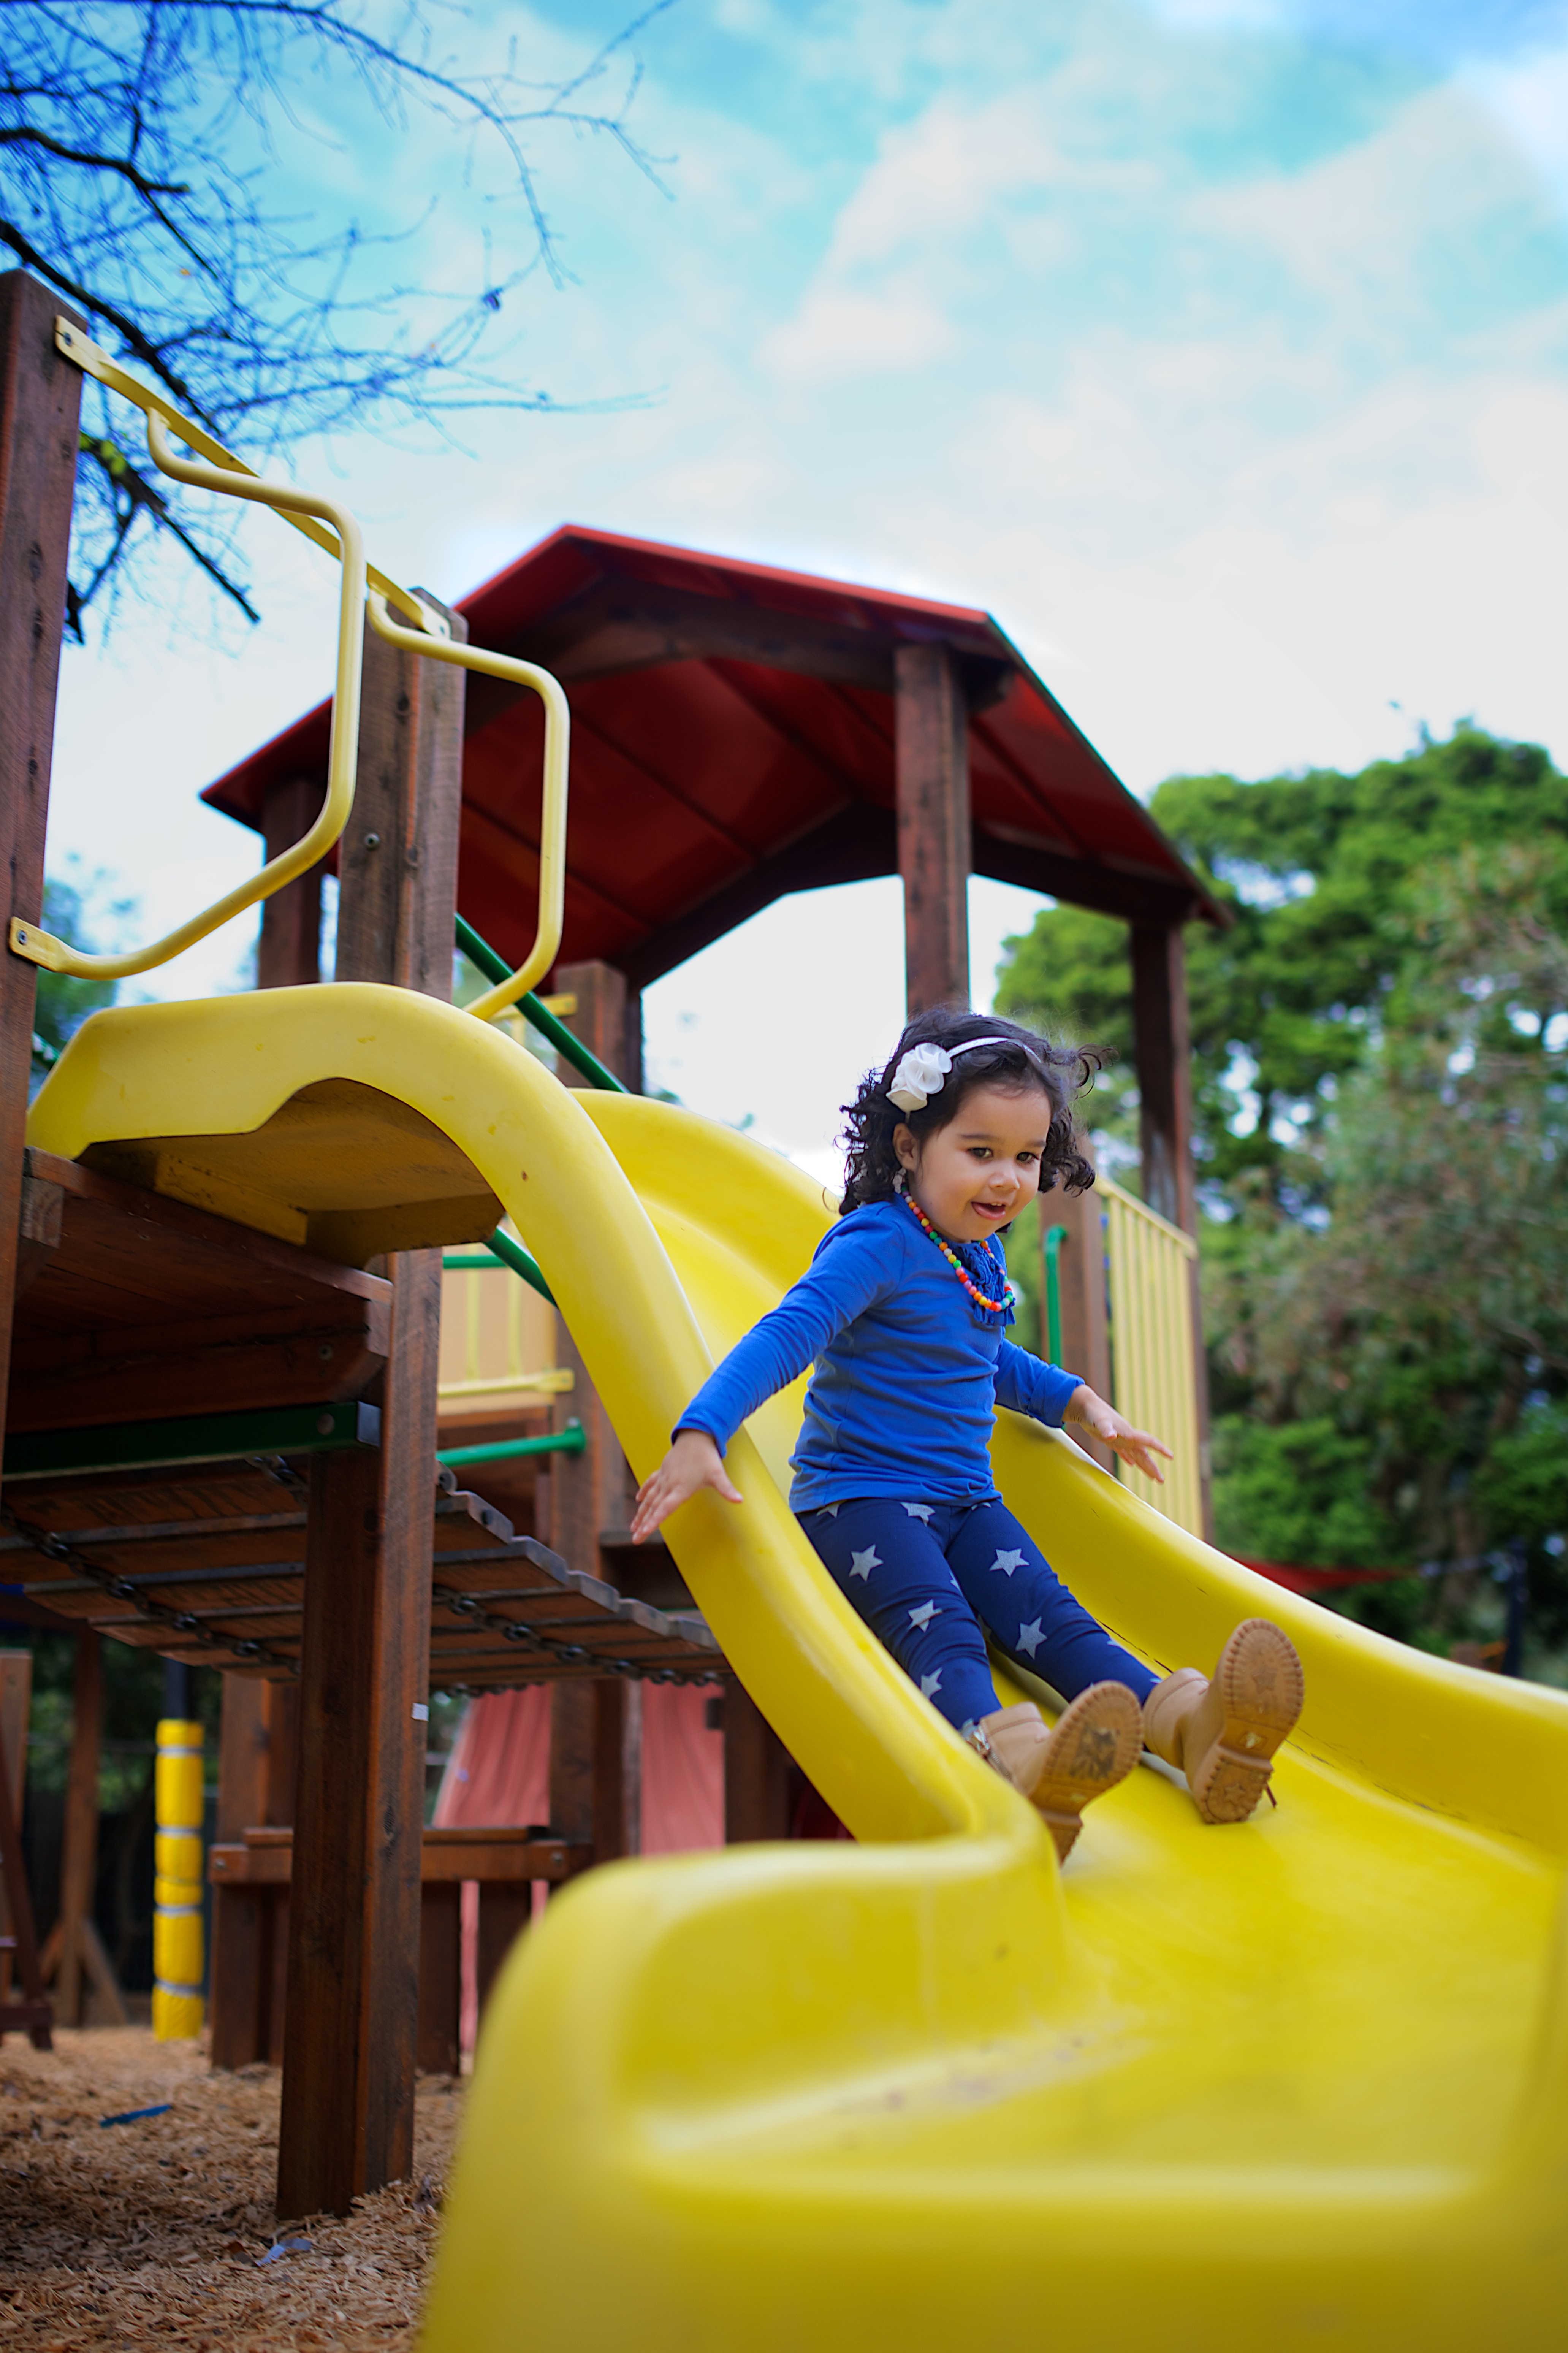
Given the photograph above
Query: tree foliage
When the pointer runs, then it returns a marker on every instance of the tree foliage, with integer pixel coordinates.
(140, 177)
(1323, 876)
(1381, 1045)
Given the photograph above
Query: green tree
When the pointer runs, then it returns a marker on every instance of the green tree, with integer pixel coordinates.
(1322, 875)
(1382, 1081)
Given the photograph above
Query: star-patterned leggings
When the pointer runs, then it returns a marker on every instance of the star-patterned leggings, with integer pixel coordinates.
(927, 1577)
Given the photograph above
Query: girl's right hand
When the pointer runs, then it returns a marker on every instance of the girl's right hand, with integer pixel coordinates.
(693, 1462)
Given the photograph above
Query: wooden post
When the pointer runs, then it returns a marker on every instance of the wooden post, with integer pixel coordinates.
(617, 1752)
(440, 1977)
(756, 1773)
(41, 395)
(1162, 1045)
(242, 1747)
(257, 1743)
(16, 1710)
(594, 1742)
(505, 1909)
(289, 953)
(630, 1068)
(78, 1860)
(350, 2031)
(932, 735)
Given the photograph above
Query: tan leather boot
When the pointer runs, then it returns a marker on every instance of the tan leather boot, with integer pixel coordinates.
(1093, 1745)
(1223, 1732)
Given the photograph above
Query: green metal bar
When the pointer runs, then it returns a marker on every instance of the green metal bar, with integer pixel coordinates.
(201, 1438)
(570, 1441)
(1055, 1237)
(496, 968)
(501, 1250)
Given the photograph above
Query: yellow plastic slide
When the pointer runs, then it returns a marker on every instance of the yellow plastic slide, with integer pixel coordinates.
(1301, 2083)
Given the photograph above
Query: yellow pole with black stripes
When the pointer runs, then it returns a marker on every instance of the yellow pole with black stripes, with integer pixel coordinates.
(179, 1796)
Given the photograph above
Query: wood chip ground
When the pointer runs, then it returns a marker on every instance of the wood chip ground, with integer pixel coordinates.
(152, 2234)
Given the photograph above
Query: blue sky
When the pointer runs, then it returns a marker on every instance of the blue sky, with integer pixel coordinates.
(1220, 347)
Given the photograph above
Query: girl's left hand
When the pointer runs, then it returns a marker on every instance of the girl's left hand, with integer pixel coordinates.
(1134, 1446)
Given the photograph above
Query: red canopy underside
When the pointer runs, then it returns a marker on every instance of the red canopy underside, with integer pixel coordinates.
(732, 739)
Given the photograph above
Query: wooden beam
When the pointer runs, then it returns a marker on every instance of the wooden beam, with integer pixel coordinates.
(1007, 854)
(932, 742)
(351, 2031)
(1162, 1047)
(852, 845)
(40, 395)
(619, 625)
(288, 954)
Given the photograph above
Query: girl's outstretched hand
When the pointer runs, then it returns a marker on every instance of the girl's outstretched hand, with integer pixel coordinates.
(692, 1463)
(1134, 1446)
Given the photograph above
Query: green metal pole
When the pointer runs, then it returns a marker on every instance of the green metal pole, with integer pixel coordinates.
(501, 1250)
(1055, 1237)
(570, 1441)
(496, 968)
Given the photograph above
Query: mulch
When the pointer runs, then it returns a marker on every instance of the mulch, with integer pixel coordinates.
(161, 2233)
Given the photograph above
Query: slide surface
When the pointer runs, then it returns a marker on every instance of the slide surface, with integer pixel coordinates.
(1301, 2082)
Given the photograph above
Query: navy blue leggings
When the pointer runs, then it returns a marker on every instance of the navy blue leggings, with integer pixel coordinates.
(927, 1577)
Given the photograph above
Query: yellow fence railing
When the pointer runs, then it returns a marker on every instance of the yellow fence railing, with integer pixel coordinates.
(498, 1343)
(1153, 1373)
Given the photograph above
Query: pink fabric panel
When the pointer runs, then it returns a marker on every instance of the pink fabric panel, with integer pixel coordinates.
(682, 1770)
(498, 1775)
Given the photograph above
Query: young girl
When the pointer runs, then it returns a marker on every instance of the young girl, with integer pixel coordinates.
(902, 1313)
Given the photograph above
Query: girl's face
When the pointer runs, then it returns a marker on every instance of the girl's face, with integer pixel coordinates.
(973, 1177)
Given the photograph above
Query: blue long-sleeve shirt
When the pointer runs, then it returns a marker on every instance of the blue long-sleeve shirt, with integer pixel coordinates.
(909, 1370)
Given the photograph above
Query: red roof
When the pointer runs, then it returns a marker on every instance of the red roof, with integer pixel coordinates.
(732, 739)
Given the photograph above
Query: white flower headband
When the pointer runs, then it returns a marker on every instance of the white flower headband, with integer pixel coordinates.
(924, 1069)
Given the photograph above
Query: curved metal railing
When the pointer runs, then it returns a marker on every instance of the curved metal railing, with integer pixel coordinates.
(217, 469)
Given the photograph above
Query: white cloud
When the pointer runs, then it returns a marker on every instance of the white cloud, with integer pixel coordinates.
(1242, 450)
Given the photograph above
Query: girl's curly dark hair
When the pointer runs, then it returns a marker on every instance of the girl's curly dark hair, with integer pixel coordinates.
(1021, 1061)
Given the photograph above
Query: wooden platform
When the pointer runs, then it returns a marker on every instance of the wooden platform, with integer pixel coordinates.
(133, 1306)
(207, 1563)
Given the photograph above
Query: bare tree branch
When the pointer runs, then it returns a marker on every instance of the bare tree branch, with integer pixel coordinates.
(143, 174)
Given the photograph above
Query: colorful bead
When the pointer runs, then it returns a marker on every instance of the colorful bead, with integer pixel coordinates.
(991, 1306)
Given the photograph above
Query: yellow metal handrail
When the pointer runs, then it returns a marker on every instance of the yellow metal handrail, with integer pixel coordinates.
(229, 477)
(553, 817)
(94, 361)
(1151, 1341)
(39, 946)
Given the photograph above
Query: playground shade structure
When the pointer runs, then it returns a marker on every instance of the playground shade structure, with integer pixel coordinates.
(1295, 2084)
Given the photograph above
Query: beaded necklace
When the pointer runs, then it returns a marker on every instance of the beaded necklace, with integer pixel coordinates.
(991, 1306)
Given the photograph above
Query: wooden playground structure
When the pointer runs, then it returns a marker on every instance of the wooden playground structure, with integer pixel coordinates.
(223, 1430)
